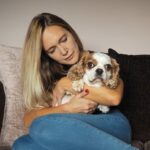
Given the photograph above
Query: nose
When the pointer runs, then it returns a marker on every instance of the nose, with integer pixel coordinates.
(63, 50)
(99, 71)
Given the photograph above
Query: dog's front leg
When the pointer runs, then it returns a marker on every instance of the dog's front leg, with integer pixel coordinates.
(78, 85)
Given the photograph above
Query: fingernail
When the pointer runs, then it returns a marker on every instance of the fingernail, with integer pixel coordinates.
(87, 91)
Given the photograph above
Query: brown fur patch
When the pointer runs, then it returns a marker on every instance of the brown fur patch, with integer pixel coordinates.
(77, 71)
(114, 81)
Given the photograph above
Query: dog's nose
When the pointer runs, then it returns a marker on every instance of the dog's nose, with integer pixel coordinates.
(99, 71)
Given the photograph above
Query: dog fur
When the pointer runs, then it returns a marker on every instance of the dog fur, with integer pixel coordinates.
(94, 69)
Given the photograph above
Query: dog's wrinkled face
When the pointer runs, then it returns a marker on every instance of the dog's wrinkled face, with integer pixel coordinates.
(98, 67)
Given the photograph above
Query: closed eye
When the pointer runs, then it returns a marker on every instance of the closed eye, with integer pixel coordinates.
(52, 49)
(63, 39)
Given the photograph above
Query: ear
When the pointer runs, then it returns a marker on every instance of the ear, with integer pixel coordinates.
(115, 68)
(113, 82)
(85, 56)
(76, 72)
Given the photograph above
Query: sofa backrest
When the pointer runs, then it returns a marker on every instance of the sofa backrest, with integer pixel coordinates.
(135, 72)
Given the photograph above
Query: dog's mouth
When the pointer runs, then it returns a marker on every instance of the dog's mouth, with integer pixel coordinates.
(97, 79)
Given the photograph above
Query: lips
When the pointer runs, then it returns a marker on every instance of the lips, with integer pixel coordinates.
(69, 57)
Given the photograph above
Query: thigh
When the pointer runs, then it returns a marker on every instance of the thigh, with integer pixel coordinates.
(114, 123)
(61, 132)
(26, 143)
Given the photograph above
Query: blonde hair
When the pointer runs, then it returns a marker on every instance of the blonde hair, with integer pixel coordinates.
(39, 71)
(32, 83)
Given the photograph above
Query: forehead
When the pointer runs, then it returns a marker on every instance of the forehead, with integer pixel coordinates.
(102, 58)
(52, 34)
(54, 29)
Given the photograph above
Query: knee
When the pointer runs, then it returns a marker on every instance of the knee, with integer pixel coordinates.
(44, 122)
(19, 144)
(48, 125)
(16, 145)
(125, 129)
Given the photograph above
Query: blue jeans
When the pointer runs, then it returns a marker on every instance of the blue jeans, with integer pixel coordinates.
(109, 131)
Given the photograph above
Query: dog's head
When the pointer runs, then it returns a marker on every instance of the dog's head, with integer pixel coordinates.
(98, 67)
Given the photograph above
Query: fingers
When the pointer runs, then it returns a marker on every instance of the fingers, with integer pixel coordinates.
(91, 106)
(80, 104)
(83, 93)
(91, 111)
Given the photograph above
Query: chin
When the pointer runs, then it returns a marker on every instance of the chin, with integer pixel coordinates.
(72, 62)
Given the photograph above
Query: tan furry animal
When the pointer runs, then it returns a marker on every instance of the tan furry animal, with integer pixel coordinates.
(95, 69)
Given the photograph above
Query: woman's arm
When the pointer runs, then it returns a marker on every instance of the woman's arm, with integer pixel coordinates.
(105, 95)
(102, 95)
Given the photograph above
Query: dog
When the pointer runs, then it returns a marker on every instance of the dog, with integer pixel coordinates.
(95, 69)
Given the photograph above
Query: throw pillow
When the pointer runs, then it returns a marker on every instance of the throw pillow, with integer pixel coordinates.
(10, 60)
(2, 104)
(135, 72)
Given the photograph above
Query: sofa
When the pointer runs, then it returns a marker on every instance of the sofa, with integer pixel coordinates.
(134, 70)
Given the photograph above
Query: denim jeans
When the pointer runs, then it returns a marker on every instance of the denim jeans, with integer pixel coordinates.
(109, 131)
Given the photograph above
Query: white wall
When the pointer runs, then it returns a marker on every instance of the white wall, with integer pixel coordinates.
(120, 24)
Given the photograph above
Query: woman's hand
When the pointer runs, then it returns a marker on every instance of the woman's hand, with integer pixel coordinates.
(79, 104)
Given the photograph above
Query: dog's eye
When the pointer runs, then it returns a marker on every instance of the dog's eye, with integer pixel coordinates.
(108, 67)
(90, 65)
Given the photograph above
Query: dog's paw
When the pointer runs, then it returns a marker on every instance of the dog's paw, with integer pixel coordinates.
(112, 83)
(103, 109)
(78, 85)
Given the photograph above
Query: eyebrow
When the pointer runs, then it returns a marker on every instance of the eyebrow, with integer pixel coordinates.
(58, 42)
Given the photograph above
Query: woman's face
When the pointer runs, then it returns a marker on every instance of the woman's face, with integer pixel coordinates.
(60, 45)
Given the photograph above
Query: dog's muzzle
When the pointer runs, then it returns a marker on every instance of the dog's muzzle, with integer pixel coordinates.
(99, 72)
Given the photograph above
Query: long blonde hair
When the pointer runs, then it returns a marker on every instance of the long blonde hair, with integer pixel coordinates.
(39, 71)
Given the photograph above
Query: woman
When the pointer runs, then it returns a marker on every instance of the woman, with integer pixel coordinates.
(51, 48)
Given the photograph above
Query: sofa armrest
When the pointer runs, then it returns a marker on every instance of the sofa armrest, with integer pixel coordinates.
(2, 103)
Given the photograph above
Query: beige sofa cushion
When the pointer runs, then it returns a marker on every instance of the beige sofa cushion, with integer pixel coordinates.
(10, 65)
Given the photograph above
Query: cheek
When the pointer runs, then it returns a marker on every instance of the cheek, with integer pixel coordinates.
(75, 46)
(91, 73)
(55, 56)
(72, 44)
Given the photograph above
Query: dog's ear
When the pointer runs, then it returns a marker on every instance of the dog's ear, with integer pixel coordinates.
(76, 72)
(84, 58)
(115, 68)
(114, 81)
